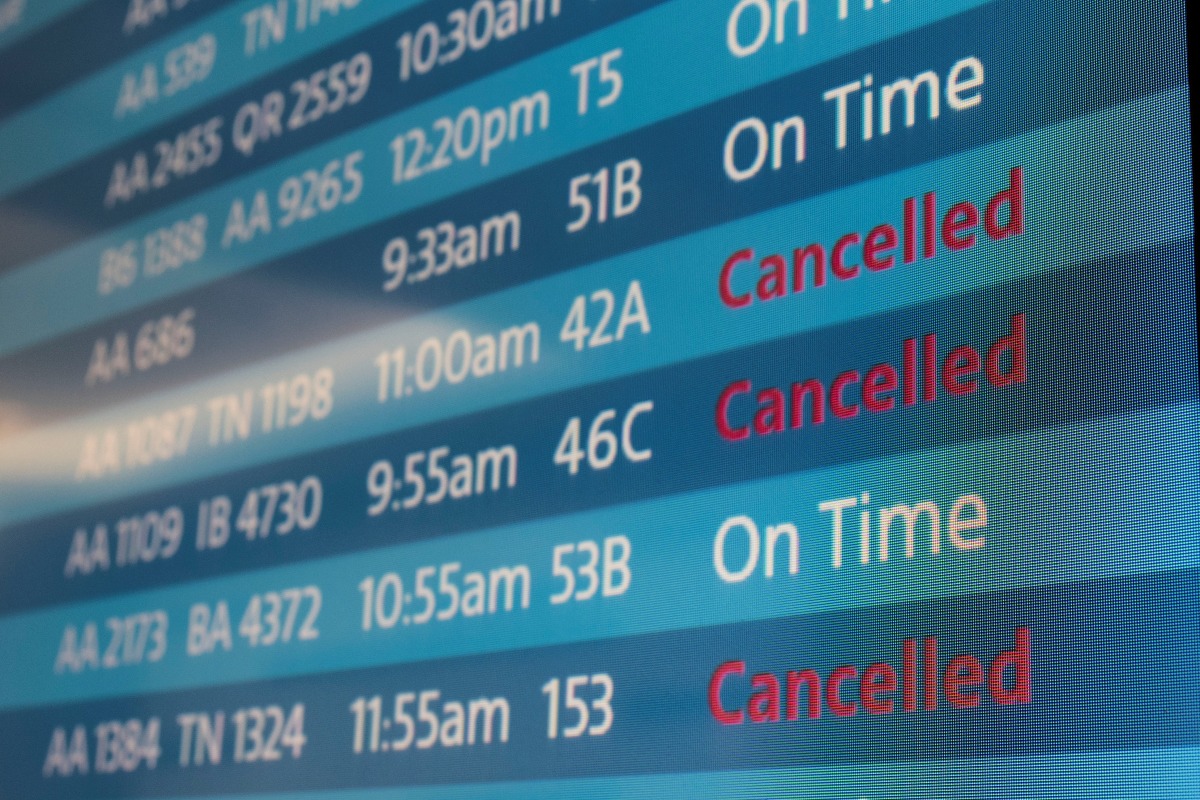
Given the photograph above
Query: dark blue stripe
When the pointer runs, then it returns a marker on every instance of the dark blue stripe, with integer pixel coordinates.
(80, 43)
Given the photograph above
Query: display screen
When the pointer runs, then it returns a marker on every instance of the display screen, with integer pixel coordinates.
(597, 399)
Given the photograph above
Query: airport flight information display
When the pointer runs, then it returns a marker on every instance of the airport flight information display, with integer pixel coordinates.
(584, 399)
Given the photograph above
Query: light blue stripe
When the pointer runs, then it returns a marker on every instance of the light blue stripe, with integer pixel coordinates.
(1053, 521)
(79, 120)
(35, 14)
(1114, 775)
(1077, 210)
(58, 293)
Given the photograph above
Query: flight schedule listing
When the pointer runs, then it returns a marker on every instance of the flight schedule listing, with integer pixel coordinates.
(597, 398)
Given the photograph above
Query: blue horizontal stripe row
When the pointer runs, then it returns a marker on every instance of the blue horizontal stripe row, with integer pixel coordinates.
(250, 316)
(653, 92)
(665, 576)
(1139, 310)
(1061, 667)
